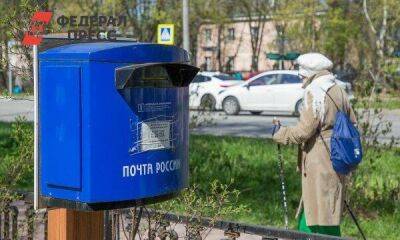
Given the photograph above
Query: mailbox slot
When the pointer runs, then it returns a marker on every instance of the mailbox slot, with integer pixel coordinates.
(158, 75)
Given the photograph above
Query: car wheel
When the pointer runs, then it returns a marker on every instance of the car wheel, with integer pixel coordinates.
(207, 102)
(298, 107)
(231, 106)
(255, 112)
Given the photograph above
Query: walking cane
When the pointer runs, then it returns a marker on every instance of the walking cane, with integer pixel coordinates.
(354, 219)
(282, 178)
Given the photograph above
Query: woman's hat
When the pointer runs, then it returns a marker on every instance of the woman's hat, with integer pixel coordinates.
(312, 63)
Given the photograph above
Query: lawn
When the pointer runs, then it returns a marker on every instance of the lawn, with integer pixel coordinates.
(253, 165)
(5, 141)
(387, 102)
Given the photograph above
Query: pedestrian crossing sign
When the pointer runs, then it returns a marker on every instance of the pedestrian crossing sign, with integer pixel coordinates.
(165, 34)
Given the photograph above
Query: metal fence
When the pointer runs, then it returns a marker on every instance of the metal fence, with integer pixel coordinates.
(19, 221)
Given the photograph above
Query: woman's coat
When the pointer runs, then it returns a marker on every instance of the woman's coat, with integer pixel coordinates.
(322, 188)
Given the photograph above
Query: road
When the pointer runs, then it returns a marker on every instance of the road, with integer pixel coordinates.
(248, 125)
(219, 124)
(244, 125)
(10, 109)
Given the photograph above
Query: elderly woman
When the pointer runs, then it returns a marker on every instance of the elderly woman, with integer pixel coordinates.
(323, 189)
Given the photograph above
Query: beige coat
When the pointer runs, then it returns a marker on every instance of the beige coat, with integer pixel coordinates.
(322, 188)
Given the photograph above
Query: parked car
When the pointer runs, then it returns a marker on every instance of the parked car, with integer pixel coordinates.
(205, 87)
(274, 91)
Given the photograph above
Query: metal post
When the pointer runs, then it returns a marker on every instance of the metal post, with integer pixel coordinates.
(9, 80)
(9, 46)
(185, 24)
(36, 127)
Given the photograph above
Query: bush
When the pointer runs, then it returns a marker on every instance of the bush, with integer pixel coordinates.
(16, 160)
(373, 193)
(376, 183)
(253, 165)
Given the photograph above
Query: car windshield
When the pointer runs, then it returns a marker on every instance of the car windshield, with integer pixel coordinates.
(224, 77)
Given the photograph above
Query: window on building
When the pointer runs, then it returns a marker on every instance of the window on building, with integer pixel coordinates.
(230, 64)
(231, 34)
(254, 32)
(207, 63)
(207, 34)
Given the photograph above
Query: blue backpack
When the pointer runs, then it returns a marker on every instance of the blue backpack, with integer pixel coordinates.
(346, 149)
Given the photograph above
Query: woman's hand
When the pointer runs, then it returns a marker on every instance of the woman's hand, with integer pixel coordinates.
(277, 124)
(276, 121)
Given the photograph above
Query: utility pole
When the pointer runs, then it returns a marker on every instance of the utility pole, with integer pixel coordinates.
(185, 24)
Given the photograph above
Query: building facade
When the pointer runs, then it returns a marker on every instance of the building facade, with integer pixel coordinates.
(228, 48)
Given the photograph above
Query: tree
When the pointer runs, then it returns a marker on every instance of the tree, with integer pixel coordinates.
(381, 18)
(256, 13)
(220, 13)
(14, 22)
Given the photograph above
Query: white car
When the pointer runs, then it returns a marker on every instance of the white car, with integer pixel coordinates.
(273, 91)
(205, 87)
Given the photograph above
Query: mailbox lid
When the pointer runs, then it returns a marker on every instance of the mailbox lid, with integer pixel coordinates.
(119, 52)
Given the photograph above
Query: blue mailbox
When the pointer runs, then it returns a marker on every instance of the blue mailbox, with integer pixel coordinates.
(113, 124)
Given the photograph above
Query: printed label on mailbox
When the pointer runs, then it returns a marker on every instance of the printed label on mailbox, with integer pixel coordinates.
(155, 135)
(153, 107)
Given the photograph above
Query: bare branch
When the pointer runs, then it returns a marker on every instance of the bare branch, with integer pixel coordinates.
(384, 21)
(371, 24)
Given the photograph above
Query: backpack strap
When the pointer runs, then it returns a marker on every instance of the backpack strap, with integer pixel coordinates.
(337, 107)
(319, 128)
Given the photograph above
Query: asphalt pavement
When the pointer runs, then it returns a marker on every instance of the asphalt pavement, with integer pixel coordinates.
(244, 125)
(213, 123)
(247, 125)
(12, 108)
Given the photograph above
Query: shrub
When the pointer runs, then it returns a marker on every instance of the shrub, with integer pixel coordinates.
(16, 165)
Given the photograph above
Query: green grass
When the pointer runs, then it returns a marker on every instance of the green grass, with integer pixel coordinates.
(253, 165)
(389, 103)
(5, 138)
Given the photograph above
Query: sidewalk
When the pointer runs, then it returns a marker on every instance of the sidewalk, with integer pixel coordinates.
(11, 108)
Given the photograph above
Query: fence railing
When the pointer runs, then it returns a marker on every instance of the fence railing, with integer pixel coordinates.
(18, 220)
